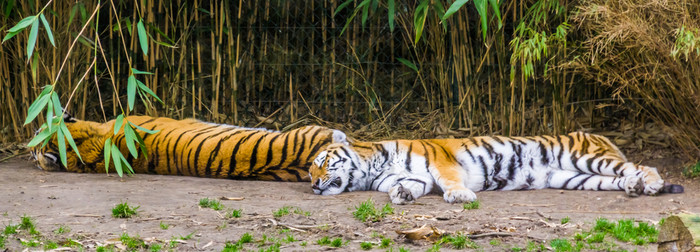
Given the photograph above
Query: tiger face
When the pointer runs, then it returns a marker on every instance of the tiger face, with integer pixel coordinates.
(336, 170)
(86, 135)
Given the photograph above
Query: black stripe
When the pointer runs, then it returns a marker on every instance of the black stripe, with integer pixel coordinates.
(254, 154)
(543, 154)
(408, 157)
(569, 180)
(232, 162)
(484, 168)
(269, 154)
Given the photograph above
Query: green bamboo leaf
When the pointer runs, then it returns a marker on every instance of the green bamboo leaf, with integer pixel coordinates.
(128, 26)
(365, 11)
(481, 9)
(391, 9)
(38, 138)
(49, 115)
(9, 36)
(117, 160)
(32, 38)
(24, 23)
(131, 91)
(454, 8)
(118, 123)
(126, 163)
(148, 90)
(56, 103)
(496, 6)
(37, 106)
(69, 137)
(108, 153)
(9, 6)
(62, 147)
(144, 129)
(408, 63)
(136, 71)
(419, 18)
(342, 6)
(129, 138)
(142, 146)
(48, 29)
(72, 14)
(143, 38)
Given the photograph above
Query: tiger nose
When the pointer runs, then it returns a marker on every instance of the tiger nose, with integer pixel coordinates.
(315, 185)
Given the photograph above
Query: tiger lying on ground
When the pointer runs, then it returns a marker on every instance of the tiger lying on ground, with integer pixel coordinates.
(409, 169)
(195, 148)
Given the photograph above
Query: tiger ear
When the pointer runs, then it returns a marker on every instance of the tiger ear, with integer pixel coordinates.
(340, 137)
(67, 117)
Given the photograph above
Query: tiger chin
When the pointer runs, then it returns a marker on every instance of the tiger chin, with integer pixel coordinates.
(409, 169)
(194, 148)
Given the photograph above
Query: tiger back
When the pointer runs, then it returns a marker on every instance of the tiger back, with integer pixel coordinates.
(194, 148)
(409, 169)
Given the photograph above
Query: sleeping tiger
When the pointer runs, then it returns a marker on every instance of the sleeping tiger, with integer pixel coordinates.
(409, 169)
(195, 148)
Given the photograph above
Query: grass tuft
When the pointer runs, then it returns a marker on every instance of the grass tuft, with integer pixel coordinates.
(281, 212)
(366, 245)
(123, 210)
(692, 171)
(458, 241)
(210, 203)
(234, 213)
(367, 211)
(472, 205)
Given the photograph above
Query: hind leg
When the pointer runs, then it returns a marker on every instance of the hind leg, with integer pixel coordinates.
(571, 180)
(640, 176)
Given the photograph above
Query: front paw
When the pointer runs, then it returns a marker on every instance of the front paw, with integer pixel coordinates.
(400, 195)
(634, 186)
(459, 196)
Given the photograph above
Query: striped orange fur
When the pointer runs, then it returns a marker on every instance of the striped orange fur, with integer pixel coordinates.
(408, 169)
(194, 148)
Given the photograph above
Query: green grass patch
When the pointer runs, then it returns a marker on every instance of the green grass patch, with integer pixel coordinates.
(366, 245)
(627, 231)
(10, 229)
(565, 220)
(164, 226)
(337, 242)
(458, 241)
(132, 243)
(301, 212)
(234, 213)
(324, 241)
(289, 239)
(692, 171)
(30, 243)
(281, 212)
(155, 247)
(123, 210)
(49, 245)
(62, 229)
(385, 243)
(210, 203)
(472, 205)
(367, 211)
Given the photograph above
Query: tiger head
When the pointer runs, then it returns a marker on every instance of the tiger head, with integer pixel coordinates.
(88, 136)
(337, 169)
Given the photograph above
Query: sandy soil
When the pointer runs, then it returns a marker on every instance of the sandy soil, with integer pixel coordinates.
(83, 203)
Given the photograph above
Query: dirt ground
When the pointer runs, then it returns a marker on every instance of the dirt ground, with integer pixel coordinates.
(83, 203)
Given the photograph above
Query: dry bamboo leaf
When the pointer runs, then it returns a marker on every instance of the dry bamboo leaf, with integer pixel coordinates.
(422, 233)
(231, 198)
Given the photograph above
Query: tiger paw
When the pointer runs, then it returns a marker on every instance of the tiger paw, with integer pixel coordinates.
(400, 195)
(459, 196)
(634, 186)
